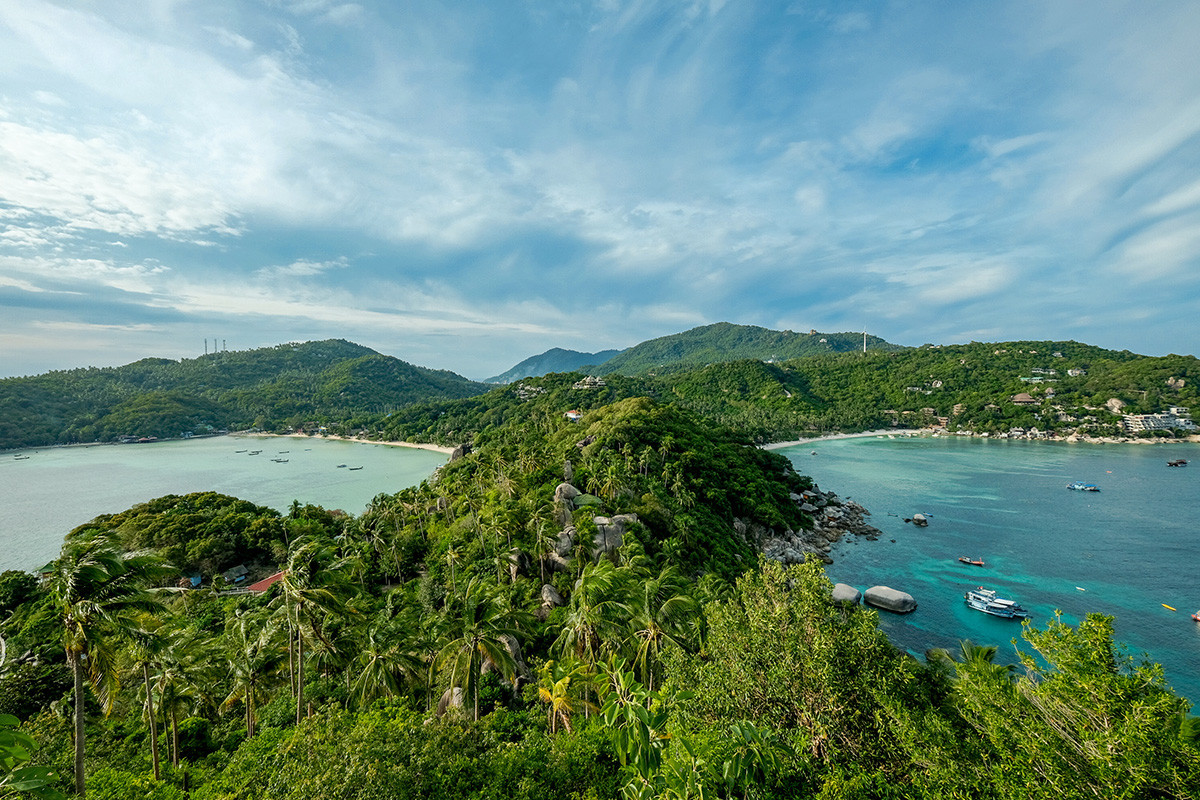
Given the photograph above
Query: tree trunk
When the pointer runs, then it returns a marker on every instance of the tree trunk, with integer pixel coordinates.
(291, 660)
(174, 738)
(250, 712)
(299, 673)
(77, 670)
(153, 721)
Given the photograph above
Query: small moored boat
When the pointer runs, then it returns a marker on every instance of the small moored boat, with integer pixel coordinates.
(1196, 616)
(1080, 486)
(976, 562)
(354, 468)
(985, 600)
(1179, 462)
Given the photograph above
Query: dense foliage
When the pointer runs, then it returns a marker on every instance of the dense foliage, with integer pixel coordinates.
(270, 388)
(492, 633)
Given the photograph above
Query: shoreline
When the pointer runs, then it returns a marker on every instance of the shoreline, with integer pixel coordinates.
(435, 448)
(908, 433)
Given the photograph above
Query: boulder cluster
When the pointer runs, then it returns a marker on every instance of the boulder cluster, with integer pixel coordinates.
(832, 518)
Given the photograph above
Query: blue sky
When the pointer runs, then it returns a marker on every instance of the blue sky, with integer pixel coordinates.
(463, 185)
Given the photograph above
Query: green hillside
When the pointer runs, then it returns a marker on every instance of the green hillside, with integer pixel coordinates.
(725, 341)
(273, 387)
(554, 360)
(492, 633)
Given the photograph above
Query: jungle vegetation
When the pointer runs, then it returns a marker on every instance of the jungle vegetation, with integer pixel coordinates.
(482, 635)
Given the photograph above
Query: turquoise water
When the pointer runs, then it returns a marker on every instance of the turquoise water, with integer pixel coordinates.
(56, 489)
(1124, 551)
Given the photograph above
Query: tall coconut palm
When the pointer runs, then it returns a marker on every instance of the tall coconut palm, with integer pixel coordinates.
(662, 611)
(478, 622)
(186, 672)
(558, 688)
(146, 645)
(389, 656)
(593, 620)
(255, 654)
(97, 592)
(312, 583)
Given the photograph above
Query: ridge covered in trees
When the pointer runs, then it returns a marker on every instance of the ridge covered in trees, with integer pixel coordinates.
(566, 611)
(269, 388)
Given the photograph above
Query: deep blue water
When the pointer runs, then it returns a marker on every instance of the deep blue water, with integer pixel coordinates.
(1123, 551)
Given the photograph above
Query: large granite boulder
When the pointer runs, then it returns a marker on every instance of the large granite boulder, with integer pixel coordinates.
(889, 599)
(565, 493)
(462, 451)
(610, 534)
(565, 542)
(521, 673)
(846, 594)
(550, 596)
(451, 698)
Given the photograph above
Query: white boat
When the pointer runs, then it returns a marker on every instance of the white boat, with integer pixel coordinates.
(985, 600)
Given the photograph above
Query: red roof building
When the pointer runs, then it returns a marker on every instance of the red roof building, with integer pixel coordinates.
(266, 583)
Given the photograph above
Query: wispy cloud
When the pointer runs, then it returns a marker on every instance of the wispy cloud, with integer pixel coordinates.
(579, 175)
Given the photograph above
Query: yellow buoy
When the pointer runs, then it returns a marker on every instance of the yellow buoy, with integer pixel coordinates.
(1164, 605)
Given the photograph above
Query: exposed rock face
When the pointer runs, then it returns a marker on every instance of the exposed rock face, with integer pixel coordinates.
(832, 519)
(518, 564)
(550, 597)
(565, 493)
(568, 471)
(565, 542)
(451, 698)
(847, 594)
(890, 599)
(461, 451)
(610, 534)
(521, 673)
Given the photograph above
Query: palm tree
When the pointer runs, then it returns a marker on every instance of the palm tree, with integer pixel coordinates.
(312, 582)
(254, 656)
(145, 647)
(388, 657)
(478, 628)
(187, 669)
(97, 592)
(662, 611)
(555, 688)
(593, 614)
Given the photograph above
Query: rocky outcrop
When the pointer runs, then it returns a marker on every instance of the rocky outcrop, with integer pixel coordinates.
(565, 493)
(462, 451)
(832, 519)
(890, 599)
(451, 698)
(565, 542)
(550, 597)
(610, 534)
(846, 594)
(521, 673)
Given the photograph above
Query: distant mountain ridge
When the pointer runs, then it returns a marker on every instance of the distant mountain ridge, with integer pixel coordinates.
(289, 385)
(725, 341)
(556, 359)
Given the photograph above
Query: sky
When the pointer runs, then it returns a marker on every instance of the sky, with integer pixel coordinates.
(463, 185)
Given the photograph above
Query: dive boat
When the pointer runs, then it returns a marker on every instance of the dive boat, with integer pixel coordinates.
(1179, 462)
(976, 562)
(1080, 486)
(1196, 616)
(985, 600)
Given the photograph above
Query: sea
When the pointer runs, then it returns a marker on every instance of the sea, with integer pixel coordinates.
(47, 492)
(1130, 550)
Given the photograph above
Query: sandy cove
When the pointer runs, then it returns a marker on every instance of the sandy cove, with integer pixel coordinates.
(436, 448)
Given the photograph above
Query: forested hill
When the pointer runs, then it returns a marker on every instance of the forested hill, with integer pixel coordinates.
(553, 360)
(271, 388)
(725, 341)
(1071, 388)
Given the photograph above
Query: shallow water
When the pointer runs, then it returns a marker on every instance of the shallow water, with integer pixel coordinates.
(56, 489)
(1124, 551)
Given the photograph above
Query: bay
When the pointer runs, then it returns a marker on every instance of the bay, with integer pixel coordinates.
(1124, 551)
(56, 489)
